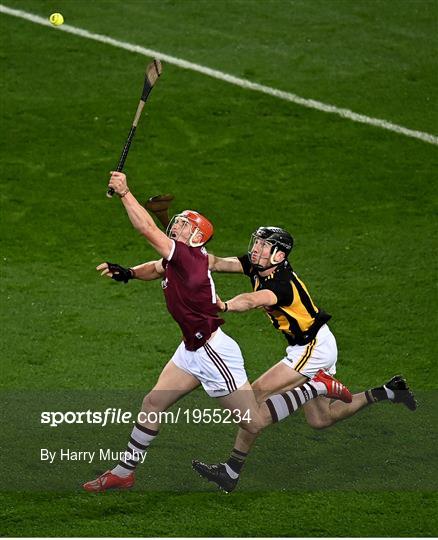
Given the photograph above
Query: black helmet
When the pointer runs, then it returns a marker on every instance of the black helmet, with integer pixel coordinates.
(279, 239)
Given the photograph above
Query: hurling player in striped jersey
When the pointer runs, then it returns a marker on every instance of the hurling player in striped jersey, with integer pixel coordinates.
(310, 345)
(206, 354)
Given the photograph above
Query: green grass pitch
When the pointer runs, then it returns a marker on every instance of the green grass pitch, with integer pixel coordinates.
(360, 202)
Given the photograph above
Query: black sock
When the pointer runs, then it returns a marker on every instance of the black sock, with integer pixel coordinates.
(376, 394)
(236, 460)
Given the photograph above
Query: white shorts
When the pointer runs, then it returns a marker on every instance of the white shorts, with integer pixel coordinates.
(320, 353)
(218, 365)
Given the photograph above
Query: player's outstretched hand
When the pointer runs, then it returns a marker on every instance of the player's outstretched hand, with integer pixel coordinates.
(115, 271)
(104, 270)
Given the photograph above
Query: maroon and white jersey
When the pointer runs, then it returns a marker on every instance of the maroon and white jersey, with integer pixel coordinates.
(190, 294)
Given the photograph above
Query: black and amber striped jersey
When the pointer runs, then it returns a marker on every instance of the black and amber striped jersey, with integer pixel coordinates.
(294, 314)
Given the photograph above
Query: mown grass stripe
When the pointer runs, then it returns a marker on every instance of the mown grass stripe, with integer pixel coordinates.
(243, 83)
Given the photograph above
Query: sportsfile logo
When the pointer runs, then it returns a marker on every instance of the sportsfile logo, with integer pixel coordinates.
(103, 418)
(112, 415)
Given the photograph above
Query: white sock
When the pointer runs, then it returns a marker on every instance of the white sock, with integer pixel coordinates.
(121, 471)
(320, 387)
(141, 438)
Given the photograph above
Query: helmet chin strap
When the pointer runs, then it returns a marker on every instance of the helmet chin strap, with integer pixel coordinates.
(192, 236)
(272, 263)
(271, 260)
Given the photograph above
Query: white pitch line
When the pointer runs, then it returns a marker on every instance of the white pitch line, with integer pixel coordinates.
(243, 83)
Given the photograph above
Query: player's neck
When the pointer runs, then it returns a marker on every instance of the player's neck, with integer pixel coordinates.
(267, 272)
(271, 270)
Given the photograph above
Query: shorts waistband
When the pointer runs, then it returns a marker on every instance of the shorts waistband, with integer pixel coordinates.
(307, 337)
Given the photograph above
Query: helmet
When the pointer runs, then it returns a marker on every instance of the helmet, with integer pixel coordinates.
(198, 224)
(278, 239)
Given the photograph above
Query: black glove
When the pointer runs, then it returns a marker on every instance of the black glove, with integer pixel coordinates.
(119, 273)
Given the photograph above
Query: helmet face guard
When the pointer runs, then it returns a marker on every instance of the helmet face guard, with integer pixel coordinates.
(194, 223)
(184, 224)
(273, 238)
(256, 259)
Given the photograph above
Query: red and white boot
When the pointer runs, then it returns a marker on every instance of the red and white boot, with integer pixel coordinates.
(108, 480)
(335, 389)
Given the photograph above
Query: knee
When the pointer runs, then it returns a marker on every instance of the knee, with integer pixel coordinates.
(150, 402)
(260, 393)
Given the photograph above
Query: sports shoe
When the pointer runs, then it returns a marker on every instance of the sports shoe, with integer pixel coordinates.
(335, 389)
(402, 392)
(108, 480)
(217, 474)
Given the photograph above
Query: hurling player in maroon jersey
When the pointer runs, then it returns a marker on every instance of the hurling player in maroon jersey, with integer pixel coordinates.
(206, 354)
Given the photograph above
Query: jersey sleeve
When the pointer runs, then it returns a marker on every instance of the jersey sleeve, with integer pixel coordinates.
(246, 265)
(282, 290)
(171, 254)
(179, 256)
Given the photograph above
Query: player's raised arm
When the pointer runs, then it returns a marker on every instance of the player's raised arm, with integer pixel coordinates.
(224, 264)
(140, 218)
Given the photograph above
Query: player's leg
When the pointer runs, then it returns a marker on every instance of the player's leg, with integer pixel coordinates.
(285, 375)
(277, 379)
(276, 408)
(274, 381)
(396, 390)
(253, 417)
(220, 367)
(172, 384)
(299, 390)
(322, 413)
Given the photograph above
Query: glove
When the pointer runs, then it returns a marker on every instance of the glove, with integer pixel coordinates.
(119, 273)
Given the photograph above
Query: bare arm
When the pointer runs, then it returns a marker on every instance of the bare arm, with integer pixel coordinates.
(224, 264)
(247, 301)
(149, 270)
(140, 218)
(146, 271)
